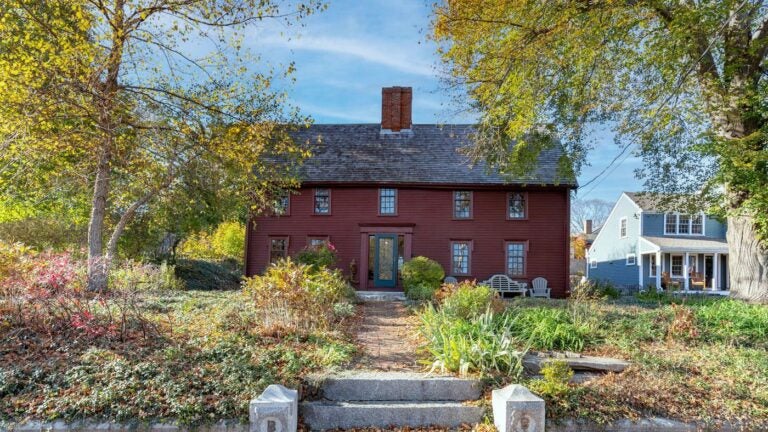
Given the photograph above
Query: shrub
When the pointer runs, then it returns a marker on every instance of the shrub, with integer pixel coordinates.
(483, 344)
(422, 274)
(556, 376)
(343, 309)
(594, 290)
(733, 321)
(318, 256)
(468, 300)
(133, 275)
(296, 298)
(205, 275)
(226, 241)
(420, 292)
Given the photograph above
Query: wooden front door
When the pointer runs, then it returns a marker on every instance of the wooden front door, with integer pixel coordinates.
(385, 261)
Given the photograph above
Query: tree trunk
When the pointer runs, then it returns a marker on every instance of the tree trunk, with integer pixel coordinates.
(98, 266)
(747, 261)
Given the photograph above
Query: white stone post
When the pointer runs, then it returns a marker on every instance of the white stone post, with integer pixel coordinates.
(516, 409)
(276, 410)
(716, 272)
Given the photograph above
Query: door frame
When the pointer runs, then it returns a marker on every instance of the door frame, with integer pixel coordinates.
(405, 229)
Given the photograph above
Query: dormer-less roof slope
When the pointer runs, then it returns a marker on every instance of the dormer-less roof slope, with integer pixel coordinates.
(426, 154)
(655, 203)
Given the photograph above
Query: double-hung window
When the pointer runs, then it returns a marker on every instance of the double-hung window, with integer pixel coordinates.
(278, 248)
(677, 265)
(282, 204)
(322, 201)
(670, 223)
(387, 201)
(631, 259)
(623, 227)
(697, 224)
(460, 258)
(683, 224)
(516, 258)
(462, 205)
(516, 205)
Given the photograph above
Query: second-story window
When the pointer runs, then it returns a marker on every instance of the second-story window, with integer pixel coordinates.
(322, 201)
(462, 204)
(282, 204)
(697, 224)
(670, 223)
(387, 201)
(683, 224)
(516, 205)
(623, 227)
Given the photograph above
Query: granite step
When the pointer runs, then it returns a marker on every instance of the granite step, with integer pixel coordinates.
(396, 386)
(324, 415)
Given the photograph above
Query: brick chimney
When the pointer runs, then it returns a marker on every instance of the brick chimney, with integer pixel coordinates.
(588, 226)
(396, 105)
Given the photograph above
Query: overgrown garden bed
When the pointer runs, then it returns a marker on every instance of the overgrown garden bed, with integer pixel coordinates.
(694, 359)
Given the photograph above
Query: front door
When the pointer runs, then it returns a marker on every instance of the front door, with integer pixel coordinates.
(385, 261)
(709, 273)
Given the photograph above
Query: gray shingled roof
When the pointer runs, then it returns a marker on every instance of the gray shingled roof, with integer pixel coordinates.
(657, 203)
(431, 155)
(688, 244)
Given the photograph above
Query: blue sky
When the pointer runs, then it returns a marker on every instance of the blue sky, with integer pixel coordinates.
(346, 54)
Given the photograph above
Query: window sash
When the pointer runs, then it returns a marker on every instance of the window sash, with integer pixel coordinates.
(631, 259)
(676, 265)
(322, 201)
(683, 224)
(281, 204)
(670, 223)
(460, 258)
(278, 249)
(387, 201)
(462, 204)
(623, 227)
(593, 264)
(516, 259)
(652, 266)
(516, 205)
(697, 224)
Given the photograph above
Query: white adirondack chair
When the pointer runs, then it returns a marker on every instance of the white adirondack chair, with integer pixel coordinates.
(540, 288)
(450, 280)
(503, 284)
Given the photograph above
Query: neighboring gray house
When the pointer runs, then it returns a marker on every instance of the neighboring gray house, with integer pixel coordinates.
(641, 245)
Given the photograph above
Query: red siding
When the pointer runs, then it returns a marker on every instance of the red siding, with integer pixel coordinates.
(430, 213)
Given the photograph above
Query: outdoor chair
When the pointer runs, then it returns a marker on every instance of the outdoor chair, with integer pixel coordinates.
(667, 283)
(698, 281)
(540, 288)
(503, 284)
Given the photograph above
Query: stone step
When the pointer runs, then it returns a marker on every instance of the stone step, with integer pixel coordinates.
(380, 295)
(323, 415)
(396, 386)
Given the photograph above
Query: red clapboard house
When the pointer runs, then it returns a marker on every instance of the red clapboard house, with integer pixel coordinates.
(384, 193)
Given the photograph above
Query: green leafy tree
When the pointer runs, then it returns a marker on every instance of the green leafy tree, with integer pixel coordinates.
(682, 84)
(131, 100)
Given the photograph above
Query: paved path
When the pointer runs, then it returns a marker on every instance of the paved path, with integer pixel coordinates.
(387, 336)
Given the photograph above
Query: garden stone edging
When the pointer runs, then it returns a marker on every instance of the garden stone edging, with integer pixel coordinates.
(652, 424)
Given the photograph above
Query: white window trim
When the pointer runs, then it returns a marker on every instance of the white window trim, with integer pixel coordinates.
(653, 266)
(690, 224)
(634, 259)
(593, 263)
(626, 228)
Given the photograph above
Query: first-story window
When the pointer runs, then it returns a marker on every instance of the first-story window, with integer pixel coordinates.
(593, 263)
(677, 265)
(460, 257)
(387, 201)
(322, 201)
(318, 241)
(653, 266)
(516, 259)
(462, 204)
(278, 248)
(631, 259)
(516, 205)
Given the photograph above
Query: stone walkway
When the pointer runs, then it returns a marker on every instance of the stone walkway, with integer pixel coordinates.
(387, 337)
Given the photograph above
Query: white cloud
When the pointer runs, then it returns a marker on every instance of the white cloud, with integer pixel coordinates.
(371, 51)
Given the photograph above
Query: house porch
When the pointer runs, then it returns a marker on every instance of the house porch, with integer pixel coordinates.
(691, 265)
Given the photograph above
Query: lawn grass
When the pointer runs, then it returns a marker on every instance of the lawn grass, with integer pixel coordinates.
(696, 359)
(207, 359)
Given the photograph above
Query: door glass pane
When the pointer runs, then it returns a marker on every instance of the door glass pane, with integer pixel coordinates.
(386, 258)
